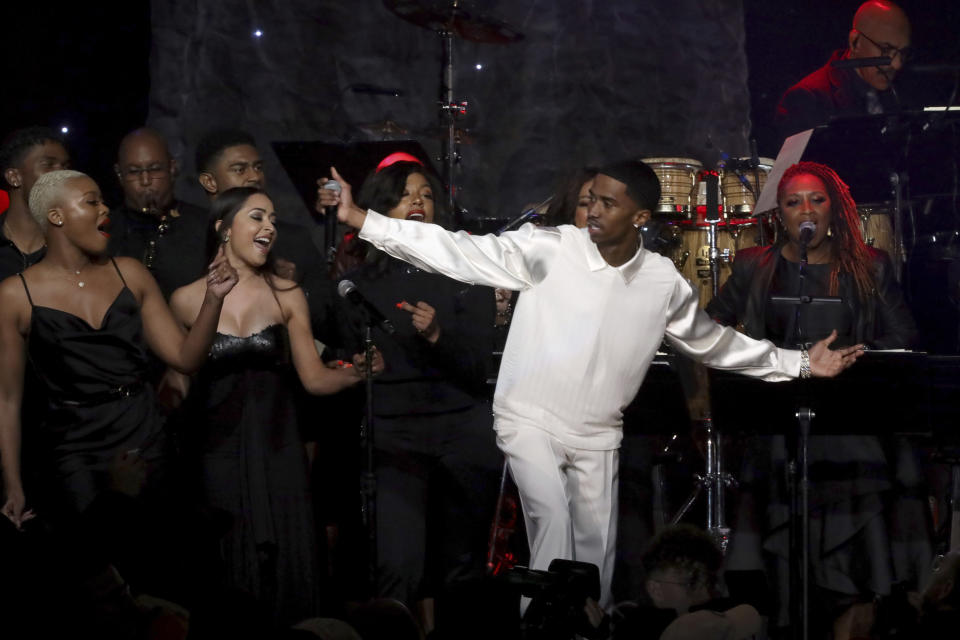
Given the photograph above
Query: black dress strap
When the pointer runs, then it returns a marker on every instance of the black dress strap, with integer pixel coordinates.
(118, 271)
(24, 281)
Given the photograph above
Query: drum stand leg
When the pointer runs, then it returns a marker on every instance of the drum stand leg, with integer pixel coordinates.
(714, 481)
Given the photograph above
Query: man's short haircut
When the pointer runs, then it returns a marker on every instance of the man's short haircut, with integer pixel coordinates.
(45, 193)
(643, 186)
(685, 548)
(213, 143)
(19, 142)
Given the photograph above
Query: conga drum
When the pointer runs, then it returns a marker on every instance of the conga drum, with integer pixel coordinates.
(740, 186)
(694, 257)
(678, 182)
(877, 226)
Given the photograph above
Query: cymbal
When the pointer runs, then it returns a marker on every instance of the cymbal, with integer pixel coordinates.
(455, 17)
(463, 136)
(383, 129)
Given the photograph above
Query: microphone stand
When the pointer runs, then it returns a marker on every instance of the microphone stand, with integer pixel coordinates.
(330, 236)
(798, 472)
(368, 480)
(797, 326)
(530, 215)
(713, 219)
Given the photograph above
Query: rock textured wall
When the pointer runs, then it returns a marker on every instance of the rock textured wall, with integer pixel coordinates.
(593, 80)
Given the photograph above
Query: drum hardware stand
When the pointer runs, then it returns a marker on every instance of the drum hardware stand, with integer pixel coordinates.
(897, 182)
(714, 480)
(713, 219)
(450, 111)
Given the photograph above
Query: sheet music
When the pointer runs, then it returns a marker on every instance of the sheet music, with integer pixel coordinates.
(790, 154)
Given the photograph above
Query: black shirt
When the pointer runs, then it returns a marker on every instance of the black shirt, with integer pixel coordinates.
(172, 247)
(421, 378)
(14, 261)
(815, 323)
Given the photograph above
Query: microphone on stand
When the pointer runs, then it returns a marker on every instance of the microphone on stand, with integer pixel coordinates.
(348, 291)
(807, 229)
(754, 154)
(530, 215)
(857, 63)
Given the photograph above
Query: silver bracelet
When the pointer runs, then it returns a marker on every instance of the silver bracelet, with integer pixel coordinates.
(805, 364)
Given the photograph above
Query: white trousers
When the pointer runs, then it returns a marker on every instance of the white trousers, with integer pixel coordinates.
(569, 499)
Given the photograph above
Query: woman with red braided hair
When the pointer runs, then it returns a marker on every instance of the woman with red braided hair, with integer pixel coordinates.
(862, 487)
(839, 264)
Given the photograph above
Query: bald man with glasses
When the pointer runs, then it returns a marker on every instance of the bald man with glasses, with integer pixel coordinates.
(880, 30)
(166, 234)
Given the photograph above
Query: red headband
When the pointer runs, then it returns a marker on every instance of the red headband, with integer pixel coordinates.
(399, 156)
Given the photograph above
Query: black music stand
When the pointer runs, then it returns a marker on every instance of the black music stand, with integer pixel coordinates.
(788, 407)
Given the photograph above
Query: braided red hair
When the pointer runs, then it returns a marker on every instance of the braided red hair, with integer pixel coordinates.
(850, 253)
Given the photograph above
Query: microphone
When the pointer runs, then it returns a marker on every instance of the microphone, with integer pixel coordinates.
(530, 215)
(330, 223)
(374, 90)
(857, 63)
(348, 291)
(527, 216)
(807, 229)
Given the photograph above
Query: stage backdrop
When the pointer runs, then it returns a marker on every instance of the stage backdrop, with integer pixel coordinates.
(592, 81)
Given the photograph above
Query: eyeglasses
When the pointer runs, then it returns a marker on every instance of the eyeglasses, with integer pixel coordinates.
(888, 50)
(153, 172)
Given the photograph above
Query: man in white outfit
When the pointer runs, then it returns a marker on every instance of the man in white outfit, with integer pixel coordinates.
(595, 308)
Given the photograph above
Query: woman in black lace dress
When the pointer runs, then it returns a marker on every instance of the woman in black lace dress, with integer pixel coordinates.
(248, 457)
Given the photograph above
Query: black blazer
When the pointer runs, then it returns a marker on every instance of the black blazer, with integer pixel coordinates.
(881, 322)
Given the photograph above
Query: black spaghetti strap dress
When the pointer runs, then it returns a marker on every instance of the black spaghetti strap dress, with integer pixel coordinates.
(97, 403)
(248, 460)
